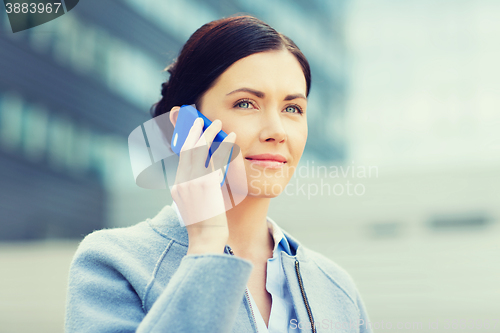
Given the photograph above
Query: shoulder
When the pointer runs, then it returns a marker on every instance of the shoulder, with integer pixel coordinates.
(343, 280)
(334, 272)
(117, 247)
(107, 239)
(140, 245)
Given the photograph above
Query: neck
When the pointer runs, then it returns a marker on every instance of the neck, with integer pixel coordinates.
(249, 236)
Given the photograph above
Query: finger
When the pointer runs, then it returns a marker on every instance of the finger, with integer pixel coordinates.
(205, 141)
(209, 134)
(221, 155)
(193, 135)
(191, 139)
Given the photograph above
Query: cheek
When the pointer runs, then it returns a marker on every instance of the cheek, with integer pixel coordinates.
(297, 143)
(302, 139)
(253, 180)
(243, 136)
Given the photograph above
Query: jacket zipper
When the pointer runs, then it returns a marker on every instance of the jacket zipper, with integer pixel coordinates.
(247, 296)
(309, 313)
(299, 277)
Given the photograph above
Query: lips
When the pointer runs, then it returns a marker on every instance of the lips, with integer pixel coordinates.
(268, 157)
(268, 161)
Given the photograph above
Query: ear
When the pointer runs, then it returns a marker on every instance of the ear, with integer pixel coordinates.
(174, 112)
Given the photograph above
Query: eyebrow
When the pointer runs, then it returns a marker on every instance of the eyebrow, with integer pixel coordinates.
(260, 94)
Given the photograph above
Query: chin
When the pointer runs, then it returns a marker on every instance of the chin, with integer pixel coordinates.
(265, 188)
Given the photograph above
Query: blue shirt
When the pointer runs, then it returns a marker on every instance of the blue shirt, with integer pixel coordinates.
(282, 311)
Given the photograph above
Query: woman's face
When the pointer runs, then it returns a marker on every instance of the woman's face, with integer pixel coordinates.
(262, 98)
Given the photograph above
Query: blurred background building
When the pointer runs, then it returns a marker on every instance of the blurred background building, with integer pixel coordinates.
(407, 91)
(74, 88)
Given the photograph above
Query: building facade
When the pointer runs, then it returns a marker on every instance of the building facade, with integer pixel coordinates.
(73, 89)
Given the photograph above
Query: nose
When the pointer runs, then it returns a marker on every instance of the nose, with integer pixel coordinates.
(273, 129)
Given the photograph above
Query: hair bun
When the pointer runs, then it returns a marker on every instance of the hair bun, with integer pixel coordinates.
(164, 89)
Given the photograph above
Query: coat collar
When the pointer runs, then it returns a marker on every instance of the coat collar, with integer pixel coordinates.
(167, 224)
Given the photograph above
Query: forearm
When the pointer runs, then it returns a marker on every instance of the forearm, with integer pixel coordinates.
(202, 296)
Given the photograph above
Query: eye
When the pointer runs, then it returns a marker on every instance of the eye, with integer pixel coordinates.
(293, 109)
(244, 104)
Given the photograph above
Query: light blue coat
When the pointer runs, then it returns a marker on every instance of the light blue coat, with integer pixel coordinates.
(139, 279)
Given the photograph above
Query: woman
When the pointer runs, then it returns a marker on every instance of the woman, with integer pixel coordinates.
(235, 270)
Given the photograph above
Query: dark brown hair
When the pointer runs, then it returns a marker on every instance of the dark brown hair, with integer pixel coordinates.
(211, 50)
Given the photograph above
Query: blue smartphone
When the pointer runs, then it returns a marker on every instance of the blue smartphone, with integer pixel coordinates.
(185, 119)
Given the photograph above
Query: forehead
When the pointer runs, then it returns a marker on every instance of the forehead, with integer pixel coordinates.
(275, 71)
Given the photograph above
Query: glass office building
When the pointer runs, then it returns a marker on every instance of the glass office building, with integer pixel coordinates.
(73, 89)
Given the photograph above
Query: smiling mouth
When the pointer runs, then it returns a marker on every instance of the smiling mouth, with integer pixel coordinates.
(268, 164)
(264, 159)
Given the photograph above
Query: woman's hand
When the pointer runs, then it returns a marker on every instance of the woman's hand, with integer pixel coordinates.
(197, 191)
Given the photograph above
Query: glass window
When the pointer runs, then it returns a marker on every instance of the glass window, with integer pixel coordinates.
(90, 50)
(58, 140)
(84, 52)
(35, 132)
(63, 39)
(102, 59)
(81, 149)
(111, 150)
(171, 15)
(96, 163)
(116, 59)
(69, 152)
(40, 40)
(11, 121)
